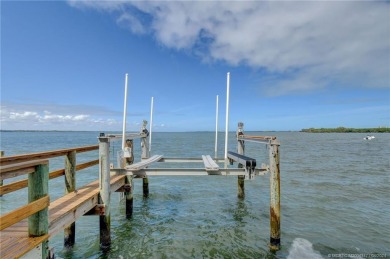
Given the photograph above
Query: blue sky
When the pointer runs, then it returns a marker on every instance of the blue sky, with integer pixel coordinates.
(292, 64)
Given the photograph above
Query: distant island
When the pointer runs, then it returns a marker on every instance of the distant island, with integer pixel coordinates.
(347, 130)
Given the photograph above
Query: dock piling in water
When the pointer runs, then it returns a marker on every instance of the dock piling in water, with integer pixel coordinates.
(145, 155)
(241, 151)
(70, 186)
(105, 192)
(274, 195)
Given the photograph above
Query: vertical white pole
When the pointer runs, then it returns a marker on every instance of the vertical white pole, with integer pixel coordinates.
(124, 114)
(227, 115)
(150, 126)
(216, 130)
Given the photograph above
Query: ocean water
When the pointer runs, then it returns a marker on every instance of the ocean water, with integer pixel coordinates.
(334, 199)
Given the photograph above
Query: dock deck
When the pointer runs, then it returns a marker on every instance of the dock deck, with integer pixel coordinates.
(15, 241)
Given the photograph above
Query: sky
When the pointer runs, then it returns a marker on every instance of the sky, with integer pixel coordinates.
(292, 64)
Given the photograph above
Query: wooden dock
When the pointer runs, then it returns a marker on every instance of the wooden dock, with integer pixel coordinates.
(25, 231)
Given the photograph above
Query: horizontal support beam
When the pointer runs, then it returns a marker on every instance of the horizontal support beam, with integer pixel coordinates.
(6, 160)
(11, 187)
(187, 160)
(185, 172)
(26, 211)
(14, 170)
(128, 136)
(98, 210)
(124, 188)
(259, 139)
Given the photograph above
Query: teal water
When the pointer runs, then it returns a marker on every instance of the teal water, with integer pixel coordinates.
(334, 191)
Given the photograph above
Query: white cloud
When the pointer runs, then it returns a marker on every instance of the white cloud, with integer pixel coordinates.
(302, 45)
(25, 116)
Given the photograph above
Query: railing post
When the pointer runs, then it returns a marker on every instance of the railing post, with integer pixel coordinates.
(145, 155)
(104, 197)
(38, 185)
(274, 167)
(70, 186)
(1, 181)
(241, 151)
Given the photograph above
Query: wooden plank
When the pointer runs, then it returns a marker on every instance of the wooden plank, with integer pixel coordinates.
(44, 155)
(17, 215)
(66, 217)
(17, 247)
(87, 164)
(9, 171)
(70, 207)
(143, 164)
(209, 163)
(11, 187)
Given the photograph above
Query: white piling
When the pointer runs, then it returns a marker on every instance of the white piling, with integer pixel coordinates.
(216, 130)
(227, 115)
(150, 126)
(124, 114)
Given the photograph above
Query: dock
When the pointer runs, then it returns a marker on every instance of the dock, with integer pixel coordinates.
(25, 232)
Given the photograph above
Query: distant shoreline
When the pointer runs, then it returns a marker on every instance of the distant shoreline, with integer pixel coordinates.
(347, 130)
(308, 130)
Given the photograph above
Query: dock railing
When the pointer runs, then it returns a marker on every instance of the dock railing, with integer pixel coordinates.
(36, 166)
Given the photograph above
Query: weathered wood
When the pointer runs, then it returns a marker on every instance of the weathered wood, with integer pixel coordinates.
(274, 196)
(241, 151)
(44, 155)
(21, 213)
(87, 164)
(145, 186)
(144, 141)
(67, 209)
(105, 193)
(18, 247)
(98, 210)
(14, 170)
(38, 183)
(11, 187)
(70, 186)
(129, 196)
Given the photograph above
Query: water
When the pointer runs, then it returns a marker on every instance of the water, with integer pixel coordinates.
(334, 191)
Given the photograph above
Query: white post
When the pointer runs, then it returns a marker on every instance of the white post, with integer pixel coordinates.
(124, 114)
(216, 130)
(150, 126)
(227, 116)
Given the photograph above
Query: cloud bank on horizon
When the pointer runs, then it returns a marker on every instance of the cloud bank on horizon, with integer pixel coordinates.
(299, 46)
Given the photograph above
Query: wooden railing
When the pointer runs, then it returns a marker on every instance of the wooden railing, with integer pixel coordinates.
(36, 166)
(20, 159)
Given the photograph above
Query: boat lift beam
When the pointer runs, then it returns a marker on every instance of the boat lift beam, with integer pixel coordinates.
(185, 172)
(249, 164)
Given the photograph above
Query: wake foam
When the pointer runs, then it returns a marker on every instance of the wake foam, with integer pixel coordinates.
(302, 249)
